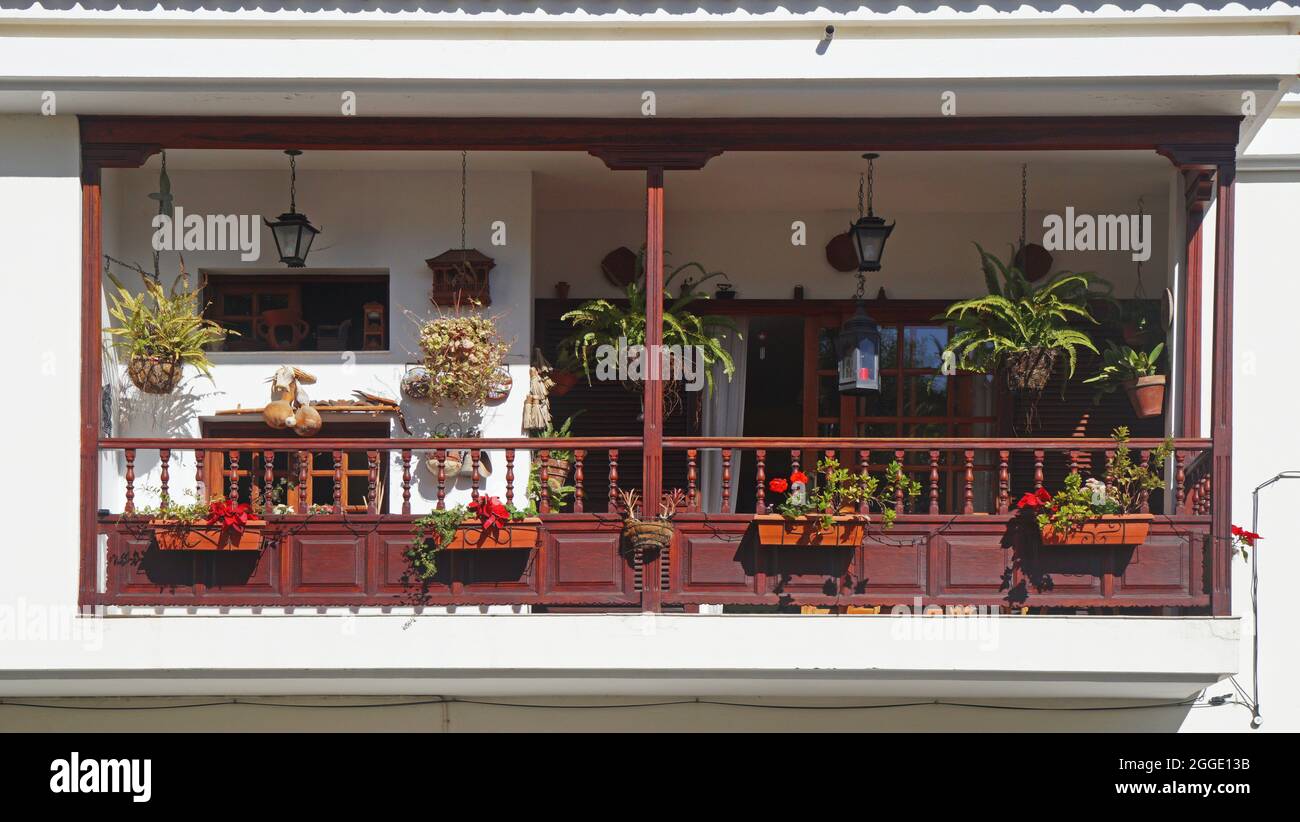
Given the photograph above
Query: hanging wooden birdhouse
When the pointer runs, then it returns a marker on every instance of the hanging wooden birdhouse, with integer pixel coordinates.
(461, 276)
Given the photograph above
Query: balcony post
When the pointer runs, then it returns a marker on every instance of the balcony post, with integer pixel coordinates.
(652, 463)
(1199, 188)
(1221, 395)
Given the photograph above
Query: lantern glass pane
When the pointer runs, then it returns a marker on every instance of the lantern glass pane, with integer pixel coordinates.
(286, 239)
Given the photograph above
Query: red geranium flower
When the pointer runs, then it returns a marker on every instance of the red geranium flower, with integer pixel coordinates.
(229, 515)
(799, 476)
(1035, 499)
(778, 485)
(490, 511)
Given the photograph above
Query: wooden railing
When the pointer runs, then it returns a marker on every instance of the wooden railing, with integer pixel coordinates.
(953, 544)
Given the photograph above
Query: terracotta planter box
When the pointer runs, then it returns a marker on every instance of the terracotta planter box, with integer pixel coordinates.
(1147, 395)
(472, 536)
(171, 535)
(774, 529)
(1111, 529)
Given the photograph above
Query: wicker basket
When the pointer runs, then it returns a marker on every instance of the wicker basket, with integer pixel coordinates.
(451, 465)
(416, 383)
(653, 535)
(1031, 370)
(153, 375)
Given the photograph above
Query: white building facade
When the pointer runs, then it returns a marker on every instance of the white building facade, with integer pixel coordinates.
(547, 215)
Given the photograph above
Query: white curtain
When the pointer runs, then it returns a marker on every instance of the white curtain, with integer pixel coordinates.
(724, 416)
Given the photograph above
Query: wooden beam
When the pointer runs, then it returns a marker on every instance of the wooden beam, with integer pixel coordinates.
(1221, 396)
(1198, 192)
(1185, 139)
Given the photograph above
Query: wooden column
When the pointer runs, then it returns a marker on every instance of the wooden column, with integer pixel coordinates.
(1198, 191)
(1221, 393)
(91, 289)
(652, 464)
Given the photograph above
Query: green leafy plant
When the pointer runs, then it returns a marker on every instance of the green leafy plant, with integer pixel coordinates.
(840, 489)
(1120, 364)
(463, 354)
(598, 323)
(564, 432)
(558, 494)
(1122, 491)
(432, 532)
(1020, 325)
(163, 324)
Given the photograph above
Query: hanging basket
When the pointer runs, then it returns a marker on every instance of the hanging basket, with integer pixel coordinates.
(1147, 395)
(417, 383)
(450, 465)
(153, 375)
(1031, 370)
(653, 535)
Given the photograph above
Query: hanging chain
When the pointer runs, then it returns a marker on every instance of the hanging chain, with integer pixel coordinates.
(293, 184)
(861, 184)
(871, 185)
(1024, 200)
(464, 160)
(1140, 292)
(861, 293)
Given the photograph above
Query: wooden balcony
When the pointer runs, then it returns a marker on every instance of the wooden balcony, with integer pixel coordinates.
(957, 544)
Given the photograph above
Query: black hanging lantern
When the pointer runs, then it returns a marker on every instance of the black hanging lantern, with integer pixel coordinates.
(858, 349)
(870, 232)
(293, 232)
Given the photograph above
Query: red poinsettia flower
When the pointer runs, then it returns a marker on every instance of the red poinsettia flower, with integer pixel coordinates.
(778, 485)
(229, 515)
(799, 476)
(1245, 536)
(490, 511)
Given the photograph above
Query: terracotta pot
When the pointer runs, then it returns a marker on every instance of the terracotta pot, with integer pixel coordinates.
(153, 375)
(471, 535)
(564, 382)
(650, 535)
(171, 535)
(557, 473)
(775, 529)
(1147, 395)
(1109, 529)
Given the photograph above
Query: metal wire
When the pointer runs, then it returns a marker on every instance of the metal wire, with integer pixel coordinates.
(464, 159)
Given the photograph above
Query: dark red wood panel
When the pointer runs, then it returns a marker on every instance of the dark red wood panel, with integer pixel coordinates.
(327, 563)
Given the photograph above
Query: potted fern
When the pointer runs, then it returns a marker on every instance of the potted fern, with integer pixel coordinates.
(160, 331)
(1021, 327)
(1137, 372)
(558, 461)
(601, 325)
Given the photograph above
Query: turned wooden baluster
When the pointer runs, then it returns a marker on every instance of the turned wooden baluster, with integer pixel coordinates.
(372, 482)
(130, 481)
(474, 456)
(232, 469)
(1004, 482)
(1207, 496)
(543, 489)
(968, 506)
(934, 482)
(338, 482)
(579, 476)
(164, 476)
(1038, 469)
(828, 454)
(726, 480)
(268, 481)
(1074, 462)
(1180, 477)
(510, 476)
(864, 469)
(1144, 496)
(441, 456)
(794, 460)
(406, 480)
(304, 465)
(200, 483)
(613, 480)
(690, 480)
(760, 476)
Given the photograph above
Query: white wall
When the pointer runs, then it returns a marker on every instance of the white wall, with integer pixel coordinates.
(40, 286)
(385, 219)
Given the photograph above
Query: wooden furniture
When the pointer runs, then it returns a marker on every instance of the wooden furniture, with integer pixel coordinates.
(460, 276)
(269, 325)
(373, 326)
